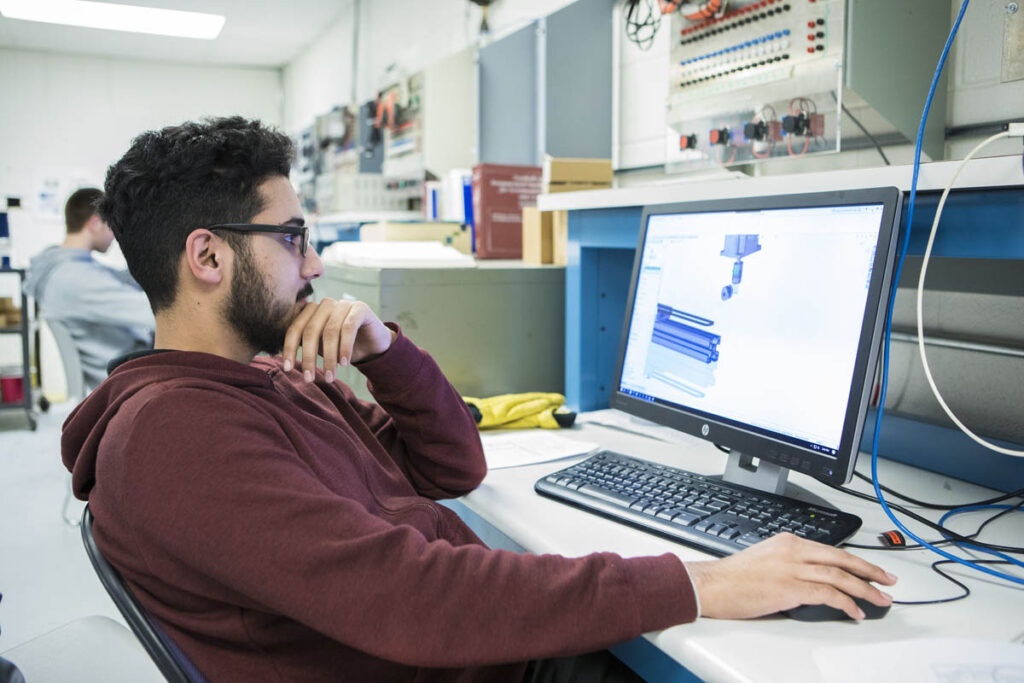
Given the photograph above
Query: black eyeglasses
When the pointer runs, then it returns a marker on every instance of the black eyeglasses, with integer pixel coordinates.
(296, 230)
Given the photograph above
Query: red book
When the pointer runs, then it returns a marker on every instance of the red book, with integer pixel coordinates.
(499, 194)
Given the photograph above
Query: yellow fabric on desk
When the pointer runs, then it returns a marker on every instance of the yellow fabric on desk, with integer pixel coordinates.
(520, 411)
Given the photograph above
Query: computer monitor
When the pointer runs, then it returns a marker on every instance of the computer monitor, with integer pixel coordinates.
(755, 323)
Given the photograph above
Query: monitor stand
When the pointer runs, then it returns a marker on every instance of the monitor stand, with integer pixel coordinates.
(747, 470)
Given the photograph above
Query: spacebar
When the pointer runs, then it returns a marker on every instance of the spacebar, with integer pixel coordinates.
(607, 495)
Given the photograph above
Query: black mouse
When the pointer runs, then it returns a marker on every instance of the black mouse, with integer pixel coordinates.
(826, 613)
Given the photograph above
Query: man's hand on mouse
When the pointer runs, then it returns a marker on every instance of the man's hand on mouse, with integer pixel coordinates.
(783, 572)
(342, 332)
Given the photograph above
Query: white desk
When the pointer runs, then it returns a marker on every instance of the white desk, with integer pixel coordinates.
(771, 648)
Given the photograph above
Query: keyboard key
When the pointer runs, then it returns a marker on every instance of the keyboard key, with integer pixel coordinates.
(749, 539)
(607, 495)
(686, 518)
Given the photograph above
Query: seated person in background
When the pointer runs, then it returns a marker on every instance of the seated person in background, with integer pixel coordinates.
(105, 310)
(278, 528)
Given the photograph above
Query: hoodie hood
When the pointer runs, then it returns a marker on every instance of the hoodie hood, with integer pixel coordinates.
(135, 380)
(43, 265)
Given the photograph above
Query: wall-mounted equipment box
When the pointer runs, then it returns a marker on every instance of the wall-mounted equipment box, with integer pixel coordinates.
(768, 78)
(547, 88)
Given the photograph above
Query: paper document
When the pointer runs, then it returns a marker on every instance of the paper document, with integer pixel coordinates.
(513, 449)
(928, 660)
(396, 255)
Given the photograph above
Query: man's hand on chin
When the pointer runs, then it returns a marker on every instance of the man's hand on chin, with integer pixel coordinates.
(342, 332)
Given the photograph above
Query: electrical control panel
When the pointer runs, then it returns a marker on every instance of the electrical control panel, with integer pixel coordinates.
(763, 79)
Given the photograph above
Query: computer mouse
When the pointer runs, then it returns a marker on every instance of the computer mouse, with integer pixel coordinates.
(826, 613)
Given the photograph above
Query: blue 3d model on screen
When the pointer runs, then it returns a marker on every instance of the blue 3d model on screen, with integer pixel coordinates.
(737, 246)
(672, 336)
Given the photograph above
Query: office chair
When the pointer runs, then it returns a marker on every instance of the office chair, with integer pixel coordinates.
(74, 380)
(167, 656)
(74, 377)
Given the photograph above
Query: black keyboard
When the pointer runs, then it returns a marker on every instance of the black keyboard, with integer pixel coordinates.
(719, 517)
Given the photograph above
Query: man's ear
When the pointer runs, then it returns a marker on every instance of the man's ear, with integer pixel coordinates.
(93, 225)
(206, 256)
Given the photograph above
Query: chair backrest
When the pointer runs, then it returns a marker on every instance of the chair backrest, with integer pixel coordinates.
(74, 375)
(171, 661)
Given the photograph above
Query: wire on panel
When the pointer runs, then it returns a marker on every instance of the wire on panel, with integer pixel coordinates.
(643, 17)
(864, 130)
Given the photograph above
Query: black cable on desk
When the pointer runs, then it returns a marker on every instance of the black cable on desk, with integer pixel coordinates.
(935, 568)
(951, 535)
(946, 541)
(938, 506)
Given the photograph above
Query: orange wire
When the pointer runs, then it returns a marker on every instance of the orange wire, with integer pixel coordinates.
(789, 146)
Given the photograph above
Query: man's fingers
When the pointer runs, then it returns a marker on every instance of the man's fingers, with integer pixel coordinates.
(294, 335)
(845, 582)
(354, 318)
(341, 331)
(841, 601)
(329, 347)
(827, 555)
(311, 337)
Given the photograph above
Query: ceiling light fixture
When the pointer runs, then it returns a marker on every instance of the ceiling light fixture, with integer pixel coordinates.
(164, 22)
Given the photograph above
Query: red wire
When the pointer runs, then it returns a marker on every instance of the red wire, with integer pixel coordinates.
(789, 146)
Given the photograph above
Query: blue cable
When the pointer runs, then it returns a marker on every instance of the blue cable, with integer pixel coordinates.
(888, 323)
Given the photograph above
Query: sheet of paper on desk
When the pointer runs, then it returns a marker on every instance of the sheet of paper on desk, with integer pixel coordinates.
(512, 449)
(928, 660)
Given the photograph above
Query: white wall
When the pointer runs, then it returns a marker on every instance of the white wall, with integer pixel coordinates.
(408, 33)
(64, 118)
(68, 117)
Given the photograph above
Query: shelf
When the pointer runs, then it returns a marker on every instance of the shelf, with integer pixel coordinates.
(10, 330)
(349, 217)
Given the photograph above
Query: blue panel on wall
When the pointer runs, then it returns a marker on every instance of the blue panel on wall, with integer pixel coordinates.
(601, 244)
(615, 267)
(944, 450)
(974, 224)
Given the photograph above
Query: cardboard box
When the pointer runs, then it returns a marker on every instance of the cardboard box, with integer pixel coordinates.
(560, 238)
(499, 194)
(566, 170)
(453, 234)
(537, 236)
(552, 188)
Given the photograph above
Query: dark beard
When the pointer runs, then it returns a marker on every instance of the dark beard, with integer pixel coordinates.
(251, 309)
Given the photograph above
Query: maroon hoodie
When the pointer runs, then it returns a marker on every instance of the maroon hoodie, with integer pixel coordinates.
(286, 531)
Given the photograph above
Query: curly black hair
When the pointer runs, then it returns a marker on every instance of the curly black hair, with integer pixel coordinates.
(175, 180)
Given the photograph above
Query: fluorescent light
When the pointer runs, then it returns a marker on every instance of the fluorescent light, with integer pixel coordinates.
(164, 22)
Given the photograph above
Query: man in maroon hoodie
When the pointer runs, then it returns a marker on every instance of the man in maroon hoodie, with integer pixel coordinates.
(278, 528)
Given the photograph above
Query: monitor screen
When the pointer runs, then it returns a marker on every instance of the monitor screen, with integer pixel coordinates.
(755, 322)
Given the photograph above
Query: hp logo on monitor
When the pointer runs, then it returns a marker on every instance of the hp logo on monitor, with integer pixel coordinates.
(704, 430)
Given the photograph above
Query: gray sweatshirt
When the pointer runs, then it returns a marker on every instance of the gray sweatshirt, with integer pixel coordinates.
(105, 310)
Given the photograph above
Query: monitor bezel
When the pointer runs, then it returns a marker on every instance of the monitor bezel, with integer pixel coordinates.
(755, 444)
